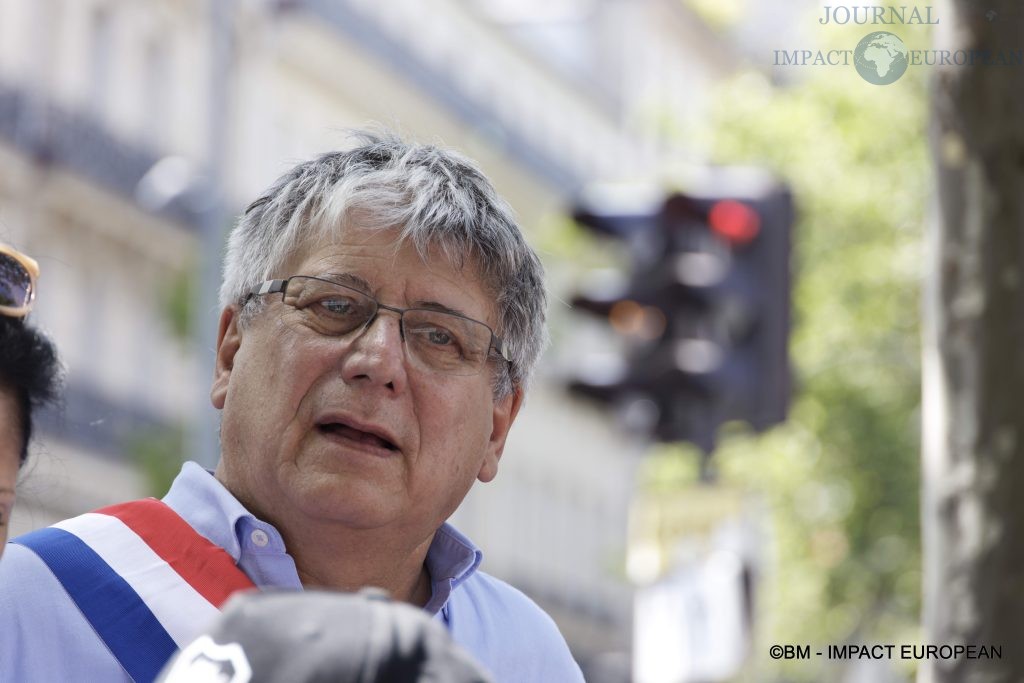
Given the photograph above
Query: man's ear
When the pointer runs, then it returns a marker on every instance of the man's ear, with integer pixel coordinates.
(505, 412)
(229, 339)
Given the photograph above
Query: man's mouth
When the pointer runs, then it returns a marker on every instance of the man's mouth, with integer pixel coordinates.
(344, 431)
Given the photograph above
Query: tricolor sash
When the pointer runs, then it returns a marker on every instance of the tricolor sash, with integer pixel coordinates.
(142, 576)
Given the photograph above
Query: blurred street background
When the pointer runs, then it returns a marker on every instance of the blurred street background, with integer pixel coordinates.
(131, 135)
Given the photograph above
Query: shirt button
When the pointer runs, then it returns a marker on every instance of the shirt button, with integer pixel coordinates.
(260, 538)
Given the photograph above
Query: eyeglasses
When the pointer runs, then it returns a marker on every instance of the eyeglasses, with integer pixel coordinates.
(18, 275)
(435, 340)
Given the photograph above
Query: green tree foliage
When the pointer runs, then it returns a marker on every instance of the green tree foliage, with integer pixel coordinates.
(842, 475)
(158, 455)
(178, 298)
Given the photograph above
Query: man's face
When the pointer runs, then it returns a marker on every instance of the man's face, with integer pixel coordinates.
(298, 406)
(10, 457)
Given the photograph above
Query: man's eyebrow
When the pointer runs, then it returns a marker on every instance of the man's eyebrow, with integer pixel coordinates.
(353, 280)
(350, 279)
(435, 306)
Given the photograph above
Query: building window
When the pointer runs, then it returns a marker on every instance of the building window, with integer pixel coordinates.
(101, 37)
(43, 47)
(154, 89)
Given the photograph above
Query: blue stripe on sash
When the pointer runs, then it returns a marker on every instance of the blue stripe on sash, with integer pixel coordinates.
(114, 609)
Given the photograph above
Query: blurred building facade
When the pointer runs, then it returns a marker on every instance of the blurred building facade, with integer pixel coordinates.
(115, 115)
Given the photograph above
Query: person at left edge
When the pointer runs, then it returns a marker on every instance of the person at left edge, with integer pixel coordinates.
(29, 372)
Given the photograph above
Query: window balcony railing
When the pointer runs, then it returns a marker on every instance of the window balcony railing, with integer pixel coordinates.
(440, 86)
(76, 142)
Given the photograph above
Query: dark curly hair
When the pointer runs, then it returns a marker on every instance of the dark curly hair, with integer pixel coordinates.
(29, 367)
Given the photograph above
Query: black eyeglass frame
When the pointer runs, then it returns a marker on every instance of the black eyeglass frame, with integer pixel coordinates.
(281, 286)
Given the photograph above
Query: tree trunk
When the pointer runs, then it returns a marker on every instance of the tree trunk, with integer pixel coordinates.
(973, 442)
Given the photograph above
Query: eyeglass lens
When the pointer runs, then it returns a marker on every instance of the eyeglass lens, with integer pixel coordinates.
(441, 341)
(15, 282)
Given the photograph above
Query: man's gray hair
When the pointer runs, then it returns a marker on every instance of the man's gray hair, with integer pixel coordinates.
(437, 197)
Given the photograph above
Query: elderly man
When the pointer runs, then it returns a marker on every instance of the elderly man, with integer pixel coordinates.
(381, 317)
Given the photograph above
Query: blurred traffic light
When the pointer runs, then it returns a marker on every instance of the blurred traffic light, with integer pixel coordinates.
(705, 311)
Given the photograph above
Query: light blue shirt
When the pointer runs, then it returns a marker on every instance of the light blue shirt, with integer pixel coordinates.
(45, 639)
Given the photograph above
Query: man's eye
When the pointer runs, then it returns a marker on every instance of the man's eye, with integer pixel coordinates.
(435, 338)
(440, 337)
(338, 306)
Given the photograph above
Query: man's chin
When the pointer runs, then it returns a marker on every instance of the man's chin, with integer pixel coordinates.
(355, 503)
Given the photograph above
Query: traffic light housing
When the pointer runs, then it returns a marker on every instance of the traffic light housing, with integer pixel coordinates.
(706, 311)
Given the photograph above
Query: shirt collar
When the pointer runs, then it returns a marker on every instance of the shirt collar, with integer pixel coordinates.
(451, 559)
(452, 556)
(208, 507)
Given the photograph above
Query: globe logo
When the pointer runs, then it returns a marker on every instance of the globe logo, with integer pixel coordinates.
(880, 58)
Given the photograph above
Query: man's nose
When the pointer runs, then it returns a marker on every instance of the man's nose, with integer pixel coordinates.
(377, 354)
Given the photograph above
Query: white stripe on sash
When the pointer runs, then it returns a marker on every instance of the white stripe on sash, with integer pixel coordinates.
(182, 611)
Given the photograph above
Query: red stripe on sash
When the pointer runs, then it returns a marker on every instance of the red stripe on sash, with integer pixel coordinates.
(206, 567)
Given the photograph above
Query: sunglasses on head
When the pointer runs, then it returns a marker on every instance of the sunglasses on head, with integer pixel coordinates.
(18, 275)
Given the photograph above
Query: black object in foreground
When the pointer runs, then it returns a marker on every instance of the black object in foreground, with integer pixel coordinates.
(321, 637)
